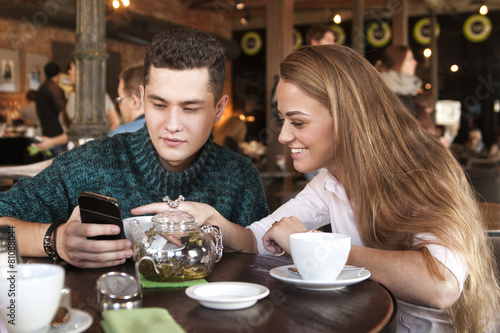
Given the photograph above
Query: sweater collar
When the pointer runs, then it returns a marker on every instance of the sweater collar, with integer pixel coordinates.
(149, 165)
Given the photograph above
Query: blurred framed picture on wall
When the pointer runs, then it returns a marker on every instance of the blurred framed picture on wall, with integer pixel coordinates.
(9, 71)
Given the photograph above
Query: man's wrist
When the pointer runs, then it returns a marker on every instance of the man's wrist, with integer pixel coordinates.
(49, 240)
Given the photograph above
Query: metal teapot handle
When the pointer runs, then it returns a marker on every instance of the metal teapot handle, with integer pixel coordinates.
(218, 239)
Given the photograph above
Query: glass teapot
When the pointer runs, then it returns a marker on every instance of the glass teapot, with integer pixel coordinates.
(175, 248)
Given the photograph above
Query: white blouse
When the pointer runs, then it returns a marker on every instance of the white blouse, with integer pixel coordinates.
(324, 201)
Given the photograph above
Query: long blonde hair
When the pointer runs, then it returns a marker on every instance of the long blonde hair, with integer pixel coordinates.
(400, 180)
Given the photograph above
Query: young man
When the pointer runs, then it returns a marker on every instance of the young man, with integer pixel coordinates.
(129, 100)
(172, 155)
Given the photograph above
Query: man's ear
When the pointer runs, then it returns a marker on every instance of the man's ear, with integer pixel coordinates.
(142, 90)
(219, 108)
(137, 101)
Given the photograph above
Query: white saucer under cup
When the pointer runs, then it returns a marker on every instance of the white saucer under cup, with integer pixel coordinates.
(349, 275)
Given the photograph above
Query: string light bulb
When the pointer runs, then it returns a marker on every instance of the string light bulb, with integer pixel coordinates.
(116, 3)
(427, 52)
(483, 10)
(454, 68)
(337, 19)
(240, 5)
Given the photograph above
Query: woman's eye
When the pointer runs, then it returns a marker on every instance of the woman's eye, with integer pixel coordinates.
(280, 121)
(297, 123)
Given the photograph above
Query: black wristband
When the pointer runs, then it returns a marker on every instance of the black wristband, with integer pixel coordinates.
(49, 241)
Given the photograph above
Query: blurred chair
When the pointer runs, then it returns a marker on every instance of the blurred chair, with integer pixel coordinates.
(491, 213)
(486, 182)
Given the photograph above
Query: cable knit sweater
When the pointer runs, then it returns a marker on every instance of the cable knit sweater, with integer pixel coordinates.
(127, 168)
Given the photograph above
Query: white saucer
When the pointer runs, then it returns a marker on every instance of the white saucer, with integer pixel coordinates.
(346, 278)
(78, 322)
(227, 295)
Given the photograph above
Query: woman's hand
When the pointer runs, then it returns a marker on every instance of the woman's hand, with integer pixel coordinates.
(201, 212)
(276, 239)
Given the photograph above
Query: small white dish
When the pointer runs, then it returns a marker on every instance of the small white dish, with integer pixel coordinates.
(346, 278)
(227, 295)
(78, 322)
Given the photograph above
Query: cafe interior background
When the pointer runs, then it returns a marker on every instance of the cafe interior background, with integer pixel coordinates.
(466, 48)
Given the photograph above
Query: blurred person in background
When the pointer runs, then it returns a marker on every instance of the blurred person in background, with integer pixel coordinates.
(231, 133)
(129, 100)
(109, 108)
(28, 112)
(397, 67)
(320, 34)
(50, 102)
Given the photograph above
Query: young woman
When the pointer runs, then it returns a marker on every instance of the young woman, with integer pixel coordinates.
(388, 183)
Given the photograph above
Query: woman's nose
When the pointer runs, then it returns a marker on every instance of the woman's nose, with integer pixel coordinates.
(286, 135)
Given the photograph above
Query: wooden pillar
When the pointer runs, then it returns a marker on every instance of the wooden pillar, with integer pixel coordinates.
(90, 61)
(279, 43)
(358, 33)
(400, 23)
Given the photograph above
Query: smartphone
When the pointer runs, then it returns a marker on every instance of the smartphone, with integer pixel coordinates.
(97, 208)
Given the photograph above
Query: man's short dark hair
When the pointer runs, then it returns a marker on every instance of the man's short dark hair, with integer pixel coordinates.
(316, 32)
(51, 69)
(132, 79)
(187, 48)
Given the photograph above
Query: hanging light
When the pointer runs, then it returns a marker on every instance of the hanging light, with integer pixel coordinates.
(454, 68)
(337, 19)
(244, 20)
(427, 52)
(483, 10)
(116, 3)
(240, 5)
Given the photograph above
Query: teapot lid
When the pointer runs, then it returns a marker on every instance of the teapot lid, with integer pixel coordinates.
(173, 215)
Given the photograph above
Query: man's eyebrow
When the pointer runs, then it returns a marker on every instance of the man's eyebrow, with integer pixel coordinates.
(155, 97)
(187, 102)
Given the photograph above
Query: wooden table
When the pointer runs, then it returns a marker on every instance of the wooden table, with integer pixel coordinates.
(363, 307)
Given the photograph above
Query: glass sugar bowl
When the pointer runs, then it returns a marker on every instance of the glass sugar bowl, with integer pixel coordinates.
(175, 248)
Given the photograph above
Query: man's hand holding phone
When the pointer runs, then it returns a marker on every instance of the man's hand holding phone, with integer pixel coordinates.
(77, 245)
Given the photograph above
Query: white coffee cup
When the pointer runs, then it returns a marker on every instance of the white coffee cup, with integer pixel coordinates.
(29, 296)
(319, 256)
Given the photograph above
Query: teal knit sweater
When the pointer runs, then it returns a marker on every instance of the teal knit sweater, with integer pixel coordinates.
(126, 167)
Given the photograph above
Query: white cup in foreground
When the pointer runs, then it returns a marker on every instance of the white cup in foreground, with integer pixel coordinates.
(319, 256)
(29, 296)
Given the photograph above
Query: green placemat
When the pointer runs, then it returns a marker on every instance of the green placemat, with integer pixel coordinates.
(145, 283)
(143, 320)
